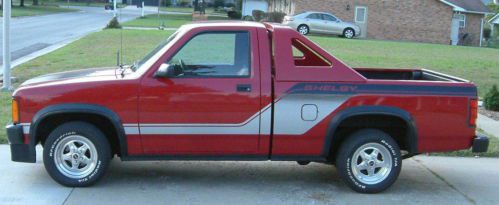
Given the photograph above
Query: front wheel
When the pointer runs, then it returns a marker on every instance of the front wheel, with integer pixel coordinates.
(76, 154)
(369, 161)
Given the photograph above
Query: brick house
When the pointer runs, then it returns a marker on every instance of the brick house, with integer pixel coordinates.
(432, 21)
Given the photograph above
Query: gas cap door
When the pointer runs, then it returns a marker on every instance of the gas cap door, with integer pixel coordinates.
(309, 112)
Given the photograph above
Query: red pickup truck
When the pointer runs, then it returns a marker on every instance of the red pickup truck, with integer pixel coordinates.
(242, 91)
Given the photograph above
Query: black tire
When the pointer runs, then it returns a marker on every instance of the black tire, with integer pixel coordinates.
(368, 137)
(84, 131)
(346, 35)
(303, 29)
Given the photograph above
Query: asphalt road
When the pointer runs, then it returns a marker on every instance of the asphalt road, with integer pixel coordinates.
(424, 180)
(31, 34)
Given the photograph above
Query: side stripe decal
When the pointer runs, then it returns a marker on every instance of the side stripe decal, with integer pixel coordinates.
(351, 89)
(288, 117)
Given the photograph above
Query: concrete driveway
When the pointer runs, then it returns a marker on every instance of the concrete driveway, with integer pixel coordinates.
(32, 34)
(424, 180)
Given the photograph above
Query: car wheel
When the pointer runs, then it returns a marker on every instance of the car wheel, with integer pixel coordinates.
(349, 33)
(76, 154)
(369, 161)
(303, 29)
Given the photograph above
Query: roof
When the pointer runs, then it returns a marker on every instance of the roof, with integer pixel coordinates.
(225, 23)
(467, 6)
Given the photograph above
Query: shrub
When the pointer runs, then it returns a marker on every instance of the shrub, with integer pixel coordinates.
(258, 15)
(219, 3)
(183, 3)
(113, 23)
(487, 33)
(234, 14)
(492, 99)
(276, 17)
(166, 3)
(248, 18)
(230, 5)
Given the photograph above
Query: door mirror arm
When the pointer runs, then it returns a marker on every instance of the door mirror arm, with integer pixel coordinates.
(166, 71)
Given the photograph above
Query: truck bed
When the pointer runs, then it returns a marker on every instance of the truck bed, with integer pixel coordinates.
(406, 74)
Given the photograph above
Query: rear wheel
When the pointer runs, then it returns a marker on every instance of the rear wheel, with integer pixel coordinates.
(348, 33)
(76, 154)
(303, 29)
(369, 161)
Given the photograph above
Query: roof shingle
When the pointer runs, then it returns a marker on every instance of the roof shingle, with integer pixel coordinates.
(470, 5)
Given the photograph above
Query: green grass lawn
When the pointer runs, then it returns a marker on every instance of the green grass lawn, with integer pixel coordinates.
(190, 10)
(168, 20)
(181, 9)
(90, 4)
(29, 10)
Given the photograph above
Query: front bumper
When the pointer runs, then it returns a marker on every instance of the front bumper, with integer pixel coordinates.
(20, 152)
(480, 144)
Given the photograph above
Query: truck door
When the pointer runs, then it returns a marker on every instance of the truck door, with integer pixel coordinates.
(213, 106)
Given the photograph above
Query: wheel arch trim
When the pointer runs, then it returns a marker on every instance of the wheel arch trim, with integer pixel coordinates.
(75, 108)
(372, 110)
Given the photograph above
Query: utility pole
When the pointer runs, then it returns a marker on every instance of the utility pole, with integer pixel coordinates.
(114, 7)
(142, 14)
(6, 44)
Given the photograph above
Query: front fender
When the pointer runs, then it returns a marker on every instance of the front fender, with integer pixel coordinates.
(74, 109)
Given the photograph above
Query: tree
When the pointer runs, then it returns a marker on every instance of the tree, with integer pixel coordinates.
(35, 2)
(21, 3)
(219, 3)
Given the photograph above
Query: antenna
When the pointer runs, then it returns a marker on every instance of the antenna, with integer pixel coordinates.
(118, 58)
(121, 43)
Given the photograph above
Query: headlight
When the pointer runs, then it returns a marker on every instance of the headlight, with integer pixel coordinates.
(15, 111)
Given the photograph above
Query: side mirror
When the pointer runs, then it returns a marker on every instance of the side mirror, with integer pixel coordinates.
(165, 70)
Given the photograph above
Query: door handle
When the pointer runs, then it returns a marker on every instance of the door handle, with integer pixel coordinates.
(244, 88)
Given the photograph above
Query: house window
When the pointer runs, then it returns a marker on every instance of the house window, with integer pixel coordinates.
(360, 14)
(462, 20)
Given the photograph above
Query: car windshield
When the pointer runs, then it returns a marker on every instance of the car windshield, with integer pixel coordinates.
(155, 50)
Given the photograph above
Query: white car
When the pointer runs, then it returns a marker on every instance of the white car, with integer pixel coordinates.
(320, 22)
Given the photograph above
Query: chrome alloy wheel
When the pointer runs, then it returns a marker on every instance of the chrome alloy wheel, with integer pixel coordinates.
(371, 163)
(75, 156)
(349, 33)
(303, 30)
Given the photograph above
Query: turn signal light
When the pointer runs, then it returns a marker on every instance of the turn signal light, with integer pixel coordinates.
(473, 111)
(15, 111)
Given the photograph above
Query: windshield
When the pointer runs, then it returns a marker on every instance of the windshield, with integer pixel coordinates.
(155, 50)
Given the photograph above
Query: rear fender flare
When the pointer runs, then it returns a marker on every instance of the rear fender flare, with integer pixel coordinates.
(372, 110)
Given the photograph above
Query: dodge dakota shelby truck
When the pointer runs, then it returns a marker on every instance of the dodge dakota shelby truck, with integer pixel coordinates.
(242, 91)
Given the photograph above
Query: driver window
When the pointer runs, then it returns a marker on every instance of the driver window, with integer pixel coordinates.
(218, 54)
